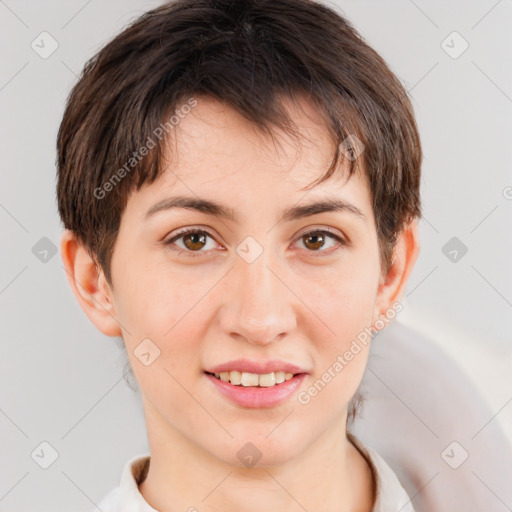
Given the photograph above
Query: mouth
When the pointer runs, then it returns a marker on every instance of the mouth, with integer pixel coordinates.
(246, 379)
(255, 384)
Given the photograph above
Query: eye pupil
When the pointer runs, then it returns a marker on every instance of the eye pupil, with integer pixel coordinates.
(197, 240)
(318, 240)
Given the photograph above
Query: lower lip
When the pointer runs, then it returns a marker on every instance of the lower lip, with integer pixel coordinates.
(256, 396)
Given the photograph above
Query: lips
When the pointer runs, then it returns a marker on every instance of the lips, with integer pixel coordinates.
(258, 367)
(256, 383)
(256, 396)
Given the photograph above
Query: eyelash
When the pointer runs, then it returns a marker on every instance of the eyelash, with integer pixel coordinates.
(195, 254)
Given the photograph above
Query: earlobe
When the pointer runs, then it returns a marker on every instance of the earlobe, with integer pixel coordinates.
(405, 254)
(89, 285)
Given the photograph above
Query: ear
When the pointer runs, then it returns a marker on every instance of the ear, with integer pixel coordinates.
(89, 285)
(392, 285)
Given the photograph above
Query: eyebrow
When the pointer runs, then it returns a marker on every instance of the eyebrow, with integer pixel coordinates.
(218, 210)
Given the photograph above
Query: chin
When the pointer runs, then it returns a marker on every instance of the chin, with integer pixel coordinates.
(259, 451)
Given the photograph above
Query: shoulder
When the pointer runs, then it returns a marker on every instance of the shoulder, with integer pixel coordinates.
(390, 496)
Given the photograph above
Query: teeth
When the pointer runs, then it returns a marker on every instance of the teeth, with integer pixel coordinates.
(249, 379)
(265, 380)
(280, 377)
(235, 378)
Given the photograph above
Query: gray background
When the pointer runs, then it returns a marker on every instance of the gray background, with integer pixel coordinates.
(62, 381)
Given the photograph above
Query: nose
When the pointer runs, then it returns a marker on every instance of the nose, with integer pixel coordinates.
(258, 305)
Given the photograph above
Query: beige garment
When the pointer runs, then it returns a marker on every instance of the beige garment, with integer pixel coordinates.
(426, 417)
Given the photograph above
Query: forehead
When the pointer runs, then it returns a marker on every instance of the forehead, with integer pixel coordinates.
(213, 131)
(214, 151)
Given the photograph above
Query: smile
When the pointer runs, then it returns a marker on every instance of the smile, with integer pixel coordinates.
(246, 379)
(255, 390)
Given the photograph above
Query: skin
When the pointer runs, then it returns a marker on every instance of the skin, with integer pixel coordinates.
(299, 301)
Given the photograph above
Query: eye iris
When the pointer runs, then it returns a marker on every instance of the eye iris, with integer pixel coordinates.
(196, 240)
(318, 240)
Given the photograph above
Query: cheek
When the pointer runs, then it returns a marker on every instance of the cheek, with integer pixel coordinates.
(344, 353)
(343, 304)
(343, 299)
(163, 323)
(155, 299)
(151, 307)
(329, 391)
(169, 310)
(341, 355)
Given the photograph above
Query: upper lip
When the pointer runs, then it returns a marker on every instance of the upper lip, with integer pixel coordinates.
(260, 367)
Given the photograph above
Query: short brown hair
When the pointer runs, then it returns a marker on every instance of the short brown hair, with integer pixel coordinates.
(248, 54)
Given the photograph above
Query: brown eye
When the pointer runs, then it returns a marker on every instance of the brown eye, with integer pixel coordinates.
(191, 242)
(320, 241)
(314, 240)
(194, 241)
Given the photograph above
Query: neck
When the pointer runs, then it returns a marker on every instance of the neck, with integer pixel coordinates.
(330, 475)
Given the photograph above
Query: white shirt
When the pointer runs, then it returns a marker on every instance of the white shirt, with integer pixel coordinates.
(390, 496)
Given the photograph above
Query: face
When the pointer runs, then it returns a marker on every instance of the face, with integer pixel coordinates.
(254, 288)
